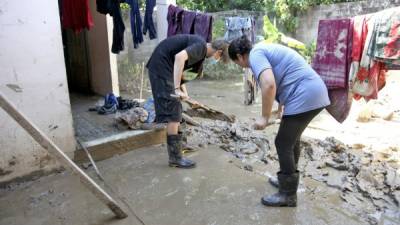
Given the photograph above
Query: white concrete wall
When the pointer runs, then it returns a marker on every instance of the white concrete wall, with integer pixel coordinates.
(31, 57)
(162, 22)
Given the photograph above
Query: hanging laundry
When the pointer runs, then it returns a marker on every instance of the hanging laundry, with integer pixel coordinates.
(174, 18)
(385, 41)
(342, 98)
(369, 76)
(76, 15)
(203, 26)
(239, 26)
(136, 23)
(188, 22)
(113, 8)
(148, 20)
(330, 60)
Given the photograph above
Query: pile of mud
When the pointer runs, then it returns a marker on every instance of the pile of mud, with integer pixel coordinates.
(368, 179)
(237, 138)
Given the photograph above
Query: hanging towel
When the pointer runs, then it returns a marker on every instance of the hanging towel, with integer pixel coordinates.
(188, 22)
(148, 20)
(332, 45)
(330, 60)
(174, 18)
(76, 15)
(203, 26)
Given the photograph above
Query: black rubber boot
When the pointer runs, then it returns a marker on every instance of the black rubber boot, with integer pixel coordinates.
(287, 191)
(175, 153)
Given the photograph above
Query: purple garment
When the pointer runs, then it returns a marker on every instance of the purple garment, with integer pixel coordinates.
(330, 60)
(342, 98)
(174, 18)
(188, 22)
(203, 26)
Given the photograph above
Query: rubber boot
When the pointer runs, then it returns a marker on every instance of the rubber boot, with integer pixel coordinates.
(175, 153)
(287, 192)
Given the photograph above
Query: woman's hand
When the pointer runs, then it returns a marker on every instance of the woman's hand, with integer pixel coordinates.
(261, 123)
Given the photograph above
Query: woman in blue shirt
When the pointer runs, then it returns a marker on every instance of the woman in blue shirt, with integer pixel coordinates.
(283, 75)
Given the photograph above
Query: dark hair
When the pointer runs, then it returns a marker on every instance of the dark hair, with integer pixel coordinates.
(241, 46)
(221, 44)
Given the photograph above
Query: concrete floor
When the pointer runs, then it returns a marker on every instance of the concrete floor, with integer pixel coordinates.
(218, 191)
(90, 126)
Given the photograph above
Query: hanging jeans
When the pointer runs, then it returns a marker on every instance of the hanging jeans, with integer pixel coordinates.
(148, 20)
(136, 23)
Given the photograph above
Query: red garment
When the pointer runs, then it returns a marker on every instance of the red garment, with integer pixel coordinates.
(76, 15)
(368, 76)
(359, 35)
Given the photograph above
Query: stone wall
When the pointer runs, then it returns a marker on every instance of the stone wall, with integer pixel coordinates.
(308, 21)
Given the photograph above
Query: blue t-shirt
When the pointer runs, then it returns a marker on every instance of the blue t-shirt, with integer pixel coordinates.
(298, 87)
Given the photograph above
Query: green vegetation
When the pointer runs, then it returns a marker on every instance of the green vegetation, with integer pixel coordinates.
(286, 11)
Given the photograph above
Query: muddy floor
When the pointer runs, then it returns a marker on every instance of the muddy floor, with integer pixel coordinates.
(350, 174)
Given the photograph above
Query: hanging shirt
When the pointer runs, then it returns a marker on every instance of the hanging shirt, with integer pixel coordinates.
(76, 15)
(163, 57)
(298, 87)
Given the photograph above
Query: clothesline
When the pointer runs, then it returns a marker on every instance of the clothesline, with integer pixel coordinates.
(354, 54)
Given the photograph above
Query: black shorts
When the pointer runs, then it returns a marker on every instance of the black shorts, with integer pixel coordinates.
(168, 109)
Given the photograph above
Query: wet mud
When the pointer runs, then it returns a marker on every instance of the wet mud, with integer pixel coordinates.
(368, 179)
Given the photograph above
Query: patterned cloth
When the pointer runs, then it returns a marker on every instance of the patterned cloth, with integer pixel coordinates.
(385, 41)
(330, 60)
(331, 44)
(367, 75)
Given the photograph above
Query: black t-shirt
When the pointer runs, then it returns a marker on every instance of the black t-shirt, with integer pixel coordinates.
(163, 58)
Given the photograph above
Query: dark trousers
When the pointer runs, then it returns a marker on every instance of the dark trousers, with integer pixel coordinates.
(148, 20)
(287, 140)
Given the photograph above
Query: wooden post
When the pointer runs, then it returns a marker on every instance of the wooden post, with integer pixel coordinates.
(141, 82)
(56, 152)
